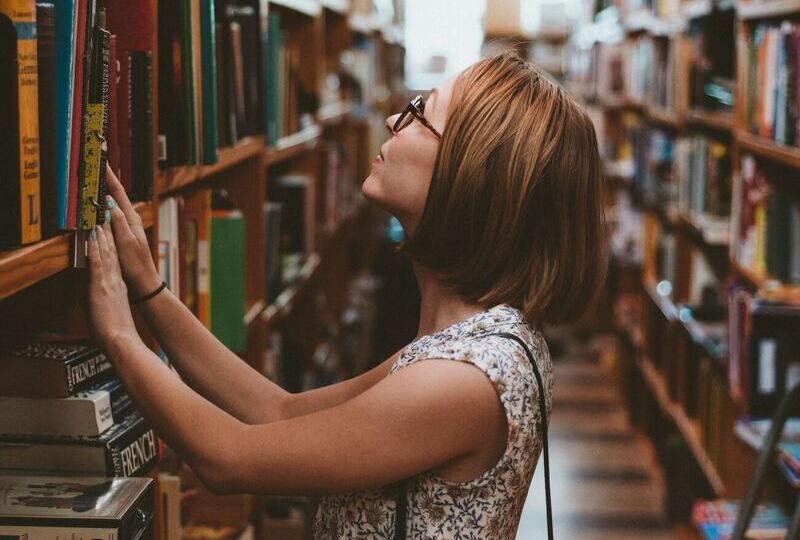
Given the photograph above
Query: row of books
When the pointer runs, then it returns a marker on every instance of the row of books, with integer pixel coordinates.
(63, 410)
(716, 520)
(704, 170)
(87, 102)
(767, 235)
(773, 82)
(763, 360)
(652, 72)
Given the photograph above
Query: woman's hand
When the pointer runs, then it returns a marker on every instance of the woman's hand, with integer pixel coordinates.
(134, 252)
(109, 310)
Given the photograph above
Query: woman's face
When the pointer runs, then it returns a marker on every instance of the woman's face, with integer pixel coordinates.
(401, 173)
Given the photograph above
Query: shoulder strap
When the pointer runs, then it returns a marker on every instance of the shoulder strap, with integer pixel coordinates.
(401, 502)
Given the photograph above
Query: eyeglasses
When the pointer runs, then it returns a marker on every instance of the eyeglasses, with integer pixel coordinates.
(415, 109)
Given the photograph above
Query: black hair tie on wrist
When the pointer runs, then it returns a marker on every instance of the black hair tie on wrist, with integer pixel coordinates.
(145, 298)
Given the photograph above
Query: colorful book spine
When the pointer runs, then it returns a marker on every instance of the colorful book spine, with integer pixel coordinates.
(209, 81)
(66, 21)
(20, 157)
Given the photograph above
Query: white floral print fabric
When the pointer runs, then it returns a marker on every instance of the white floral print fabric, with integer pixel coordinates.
(489, 506)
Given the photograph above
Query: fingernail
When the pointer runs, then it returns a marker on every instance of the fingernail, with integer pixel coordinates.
(111, 202)
(94, 234)
(108, 216)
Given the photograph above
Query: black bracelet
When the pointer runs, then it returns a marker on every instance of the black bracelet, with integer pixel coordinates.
(147, 297)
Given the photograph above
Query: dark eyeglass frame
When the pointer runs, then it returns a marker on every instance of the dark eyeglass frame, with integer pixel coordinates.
(415, 108)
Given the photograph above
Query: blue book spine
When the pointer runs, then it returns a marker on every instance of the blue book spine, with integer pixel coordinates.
(66, 14)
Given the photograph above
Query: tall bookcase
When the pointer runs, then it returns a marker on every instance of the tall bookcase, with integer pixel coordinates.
(41, 293)
(672, 93)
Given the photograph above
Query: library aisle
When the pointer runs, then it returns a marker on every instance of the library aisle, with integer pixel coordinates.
(604, 480)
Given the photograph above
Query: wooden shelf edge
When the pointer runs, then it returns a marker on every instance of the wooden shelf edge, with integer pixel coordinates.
(342, 7)
(761, 10)
(174, 178)
(285, 300)
(717, 120)
(292, 145)
(311, 8)
(655, 380)
(664, 117)
(23, 267)
(333, 113)
(764, 148)
(665, 305)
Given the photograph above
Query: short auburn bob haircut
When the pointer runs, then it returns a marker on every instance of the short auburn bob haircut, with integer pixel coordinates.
(514, 212)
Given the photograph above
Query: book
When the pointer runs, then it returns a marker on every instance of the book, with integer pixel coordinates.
(197, 224)
(52, 370)
(127, 448)
(227, 266)
(209, 81)
(66, 20)
(85, 413)
(141, 65)
(19, 146)
(76, 507)
(716, 520)
(46, 61)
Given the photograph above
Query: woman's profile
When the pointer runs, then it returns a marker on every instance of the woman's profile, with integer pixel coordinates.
(496, 179)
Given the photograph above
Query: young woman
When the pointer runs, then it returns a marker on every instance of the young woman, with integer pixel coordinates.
(496, 179)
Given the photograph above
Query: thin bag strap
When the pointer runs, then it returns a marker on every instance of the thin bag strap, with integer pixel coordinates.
(401, 502)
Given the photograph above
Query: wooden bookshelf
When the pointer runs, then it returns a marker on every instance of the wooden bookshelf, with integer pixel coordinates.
(692, 9)
(762, 9)
(787, 156)
(362, 24)
(338, 6)
(688, 428)
(715, 120)
(664, 118)
(333, 113)
(21, 268)
(175, 178)
(284, 302)
(310, 8)
(293, 145)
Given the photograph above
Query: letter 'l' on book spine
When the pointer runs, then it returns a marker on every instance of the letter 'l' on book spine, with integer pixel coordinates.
(20, 80)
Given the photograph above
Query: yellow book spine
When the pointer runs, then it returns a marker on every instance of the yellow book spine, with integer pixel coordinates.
(23, 15)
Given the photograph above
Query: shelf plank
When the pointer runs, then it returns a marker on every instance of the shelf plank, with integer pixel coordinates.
(663, 117)
(334, 112)
(717, 120)
(688, 428)
(763, 9)
(665, 304)
(293, 145)
(175, 178)
(338, 6)
(312, 8)
(764, 148)
(28, 265)
(285, 301)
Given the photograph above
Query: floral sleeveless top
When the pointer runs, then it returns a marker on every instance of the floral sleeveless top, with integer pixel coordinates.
(490, 505)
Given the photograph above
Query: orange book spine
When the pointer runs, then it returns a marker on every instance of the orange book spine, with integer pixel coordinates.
(22, 14)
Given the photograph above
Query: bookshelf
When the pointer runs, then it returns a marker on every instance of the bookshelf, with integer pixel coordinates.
(691, 304)
(329, 123)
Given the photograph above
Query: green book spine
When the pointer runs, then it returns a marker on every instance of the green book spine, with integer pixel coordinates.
(228, 278)
(208, 38)
(273, 77)
(188, 86)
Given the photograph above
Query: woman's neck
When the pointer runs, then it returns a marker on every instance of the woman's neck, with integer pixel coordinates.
(439, 306)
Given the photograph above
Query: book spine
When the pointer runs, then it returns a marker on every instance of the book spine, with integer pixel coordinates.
(121, 403)
(142, 123)
(185, 32)
(134, 451)
(24, 75)
(66, 19)
(104, 61)
(209, 70)
(46, 50)
(83, 373)
(113, 104)
(76, 119)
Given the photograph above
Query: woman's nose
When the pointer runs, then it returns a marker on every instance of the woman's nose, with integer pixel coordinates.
(389, 124)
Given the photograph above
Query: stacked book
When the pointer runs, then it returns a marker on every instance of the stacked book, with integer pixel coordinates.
(62, 410)
(717, 519)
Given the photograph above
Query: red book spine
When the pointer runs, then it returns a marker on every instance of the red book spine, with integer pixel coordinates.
(113, 135)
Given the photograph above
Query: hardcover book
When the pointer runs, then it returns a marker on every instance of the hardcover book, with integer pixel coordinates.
(129, 448)
(79, 508)
(52, 369)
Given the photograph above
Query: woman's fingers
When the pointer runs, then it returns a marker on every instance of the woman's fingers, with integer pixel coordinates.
(119, 222)
(95, 260)
(118, 193)
(113, 259)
